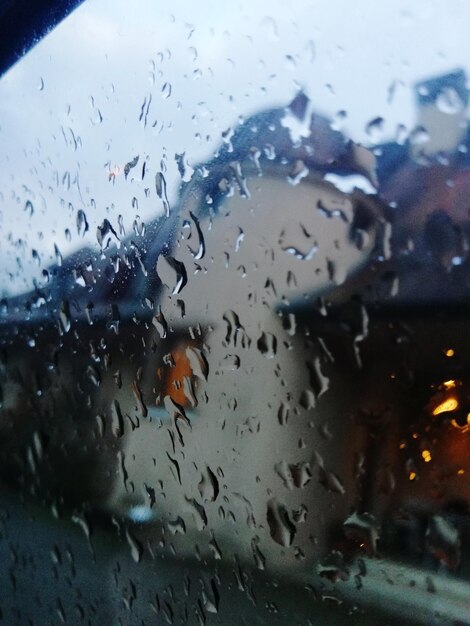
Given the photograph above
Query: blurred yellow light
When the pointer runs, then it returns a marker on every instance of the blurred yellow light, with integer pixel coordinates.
(449, 384)
(462, 428)
(426, 454)
(448, 405)
(450, 352)
(461, 471)
(412, 475)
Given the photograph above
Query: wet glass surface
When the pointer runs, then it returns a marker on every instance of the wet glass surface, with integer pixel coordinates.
(234, 318)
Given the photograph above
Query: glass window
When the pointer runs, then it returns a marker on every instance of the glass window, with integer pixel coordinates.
(234, 316)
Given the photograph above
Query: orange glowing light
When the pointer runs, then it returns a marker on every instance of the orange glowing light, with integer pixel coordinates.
(412, 475)
(426, 454)
(444, 407)
(465, 427)
(461, 471)
(449, 384)
(450, 352)
(114, 171)
(175, 376)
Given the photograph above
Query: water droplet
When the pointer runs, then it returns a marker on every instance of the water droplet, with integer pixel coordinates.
(137, 391)
(138, 225)
(214, 548)
(160, 186)
(114, 318)
(374, 129)
(333, 567)
(58, 255)
(294, 475)
(419, 136)
(283, 414)
(319, 382)
(230, 363)
(184, 169)
(166, 91)
(281, 527)
(269, 26)
(198, 513)
(258, 556)
(177, 526)
(131, 164)
(135, 546)
(117, 421)
(339, 120)
(64, 317)
(198, 362)
(82, 224)
(172, 273)
(298, 172)
(160, 324)
(29, 208)
(235, 332)
(88, 312)
(444, 541)
(267, 345)
(331, 481)
(105, 235)
(290, 62)
(36, 257)
(84, 523)
(144, 111)
(449, 102)
(208, 486)
(93, 375)
(199, 252)
(363, 528)
(210, 597)
(122, 230)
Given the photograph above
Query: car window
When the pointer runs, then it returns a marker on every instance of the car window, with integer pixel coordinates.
(234, 316)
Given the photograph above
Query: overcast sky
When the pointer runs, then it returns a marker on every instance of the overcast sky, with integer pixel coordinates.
(70, 109)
